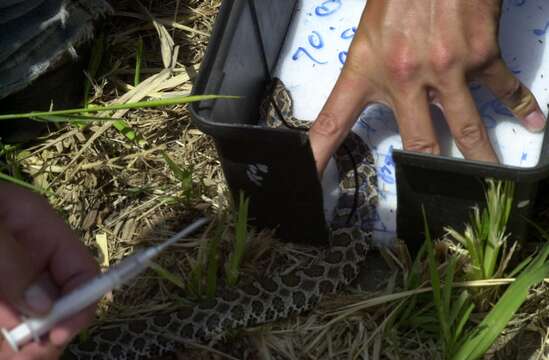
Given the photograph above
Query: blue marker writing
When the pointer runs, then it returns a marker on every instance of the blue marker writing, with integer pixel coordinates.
(315, 39)
(541, 32)
(349, 33)
(301, 50)
(342, 57)
(328, 7)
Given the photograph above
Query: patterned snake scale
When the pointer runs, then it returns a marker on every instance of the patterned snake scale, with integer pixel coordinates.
(266, 299)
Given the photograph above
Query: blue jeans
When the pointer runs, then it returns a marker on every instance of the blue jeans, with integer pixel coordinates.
(37, 33)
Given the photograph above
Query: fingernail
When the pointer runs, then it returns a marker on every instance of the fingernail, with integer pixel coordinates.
(37, 299)
(535, 121)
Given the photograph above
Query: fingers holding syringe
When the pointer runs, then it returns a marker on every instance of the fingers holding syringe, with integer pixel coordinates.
(69, 274)
(45, 241)
(66, 330)
(32, 351)
(18, 273)
(50, 347)
(10, 318)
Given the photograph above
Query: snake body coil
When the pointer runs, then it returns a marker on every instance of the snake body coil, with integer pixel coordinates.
(266, 299)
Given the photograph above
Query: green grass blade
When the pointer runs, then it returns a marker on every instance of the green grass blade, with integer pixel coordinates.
(435, 283)
(542, 256)
(128, 106)
(194, 286)
(521, 266)
(184, 176)
(240, 241)
(213, 261)
(497, 319)
(138, 62)
(24, 184)
(72, 118)
(462, 321)
(128, 132)
(413, 279)
(166, 275)
(448, 287)
(499, 199)
(93, 66)
(458, 305)
(424, 322)
(119, 124)
(178, 172)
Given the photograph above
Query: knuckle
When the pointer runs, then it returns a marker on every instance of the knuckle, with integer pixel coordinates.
(470, 136)
(513, 92)
(443, 59)
(484, 52)
(326, 123)
(401, 64)
(422, 145)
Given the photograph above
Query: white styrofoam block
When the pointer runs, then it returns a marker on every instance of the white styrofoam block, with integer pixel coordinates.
(315, 51)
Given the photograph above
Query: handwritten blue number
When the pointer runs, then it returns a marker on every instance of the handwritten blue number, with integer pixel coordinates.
(315, 39)
(328, 7)
(343, 57)
(301, 50)
(349, 33)
(386, 173)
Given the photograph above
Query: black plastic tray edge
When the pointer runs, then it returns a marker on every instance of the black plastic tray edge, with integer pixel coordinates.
(473, 168)
(214, 51)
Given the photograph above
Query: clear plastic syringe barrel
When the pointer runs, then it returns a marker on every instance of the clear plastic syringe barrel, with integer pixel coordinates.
(78, 299)
(91, 292)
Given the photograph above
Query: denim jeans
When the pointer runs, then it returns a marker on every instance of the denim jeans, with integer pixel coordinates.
(35, 34)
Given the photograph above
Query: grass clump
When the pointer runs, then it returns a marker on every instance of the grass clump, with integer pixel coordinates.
(203, 280)
(241, 237)
(485, 236)
(445, 314)
(484, 240)
(482, 336)
(452, 311)
(204, 269)
(185, 178)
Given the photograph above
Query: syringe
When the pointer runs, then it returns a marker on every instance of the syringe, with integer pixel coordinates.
(93, 291)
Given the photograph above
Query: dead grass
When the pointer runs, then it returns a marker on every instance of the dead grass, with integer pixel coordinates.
(105, 185)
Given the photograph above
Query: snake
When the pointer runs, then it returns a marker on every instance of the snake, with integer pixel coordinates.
(267, 298)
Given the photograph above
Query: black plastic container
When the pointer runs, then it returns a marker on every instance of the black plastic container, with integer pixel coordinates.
(276, 167)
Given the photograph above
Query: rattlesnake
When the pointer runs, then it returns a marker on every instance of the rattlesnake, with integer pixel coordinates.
(266, 299)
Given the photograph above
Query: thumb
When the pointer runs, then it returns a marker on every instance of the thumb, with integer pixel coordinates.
(16, 275)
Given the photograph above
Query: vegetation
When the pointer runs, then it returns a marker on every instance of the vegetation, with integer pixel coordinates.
(130, 166)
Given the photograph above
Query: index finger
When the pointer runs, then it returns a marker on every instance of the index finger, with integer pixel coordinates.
(350, 95)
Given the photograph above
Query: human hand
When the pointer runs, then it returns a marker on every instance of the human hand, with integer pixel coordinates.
(40, 259)
(407, 53)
